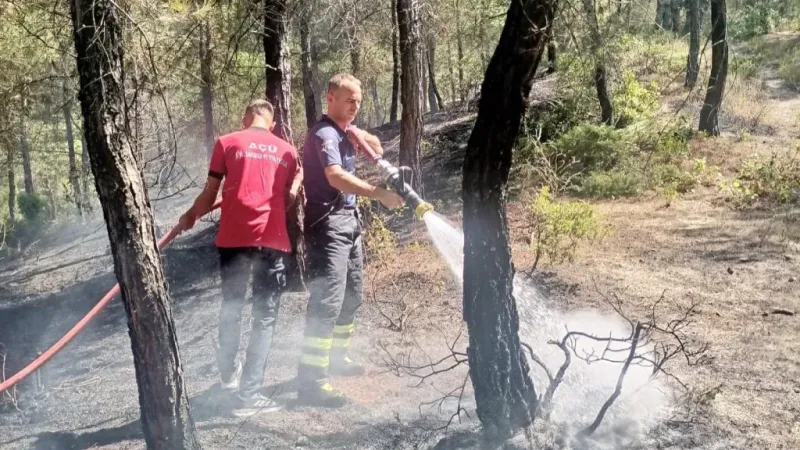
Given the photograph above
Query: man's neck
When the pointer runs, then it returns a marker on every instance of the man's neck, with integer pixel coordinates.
(343, 124)
(259, 124)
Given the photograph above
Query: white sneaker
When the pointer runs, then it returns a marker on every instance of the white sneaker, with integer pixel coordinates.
(232, 384)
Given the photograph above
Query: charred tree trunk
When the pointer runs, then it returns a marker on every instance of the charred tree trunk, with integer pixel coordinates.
(675, 14)
(12, 184)
(709, 114)
(692, 62)
(74, 173)
(434, 97)
(412, 89)
(395, 66)
(279, 85)
(596, 48)
(164, 403)
(551, 57)
(276, 58)
(504, 392)
(460, 54)
(307, 64)
(207, 78)
(25, 151)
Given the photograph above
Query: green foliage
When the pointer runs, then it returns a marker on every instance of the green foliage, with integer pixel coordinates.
(775, 179)
(611, 184)
(592, 147)
(31, 207)
(789, 67)
(559, 227)
(754, 19)
(634, 102)
(744, 67)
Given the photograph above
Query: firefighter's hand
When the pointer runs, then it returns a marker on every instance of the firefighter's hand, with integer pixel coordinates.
(390, 199)
(187, 221)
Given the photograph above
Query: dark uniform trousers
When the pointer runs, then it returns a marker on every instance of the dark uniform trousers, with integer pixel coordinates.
(268, 270)
(335, 267)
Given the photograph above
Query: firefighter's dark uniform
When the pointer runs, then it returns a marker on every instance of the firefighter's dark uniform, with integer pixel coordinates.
(335, 263)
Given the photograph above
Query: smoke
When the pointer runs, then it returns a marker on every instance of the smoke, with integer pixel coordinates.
(642, 404)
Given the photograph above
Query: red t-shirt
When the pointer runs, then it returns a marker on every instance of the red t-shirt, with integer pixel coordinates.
(258, 169)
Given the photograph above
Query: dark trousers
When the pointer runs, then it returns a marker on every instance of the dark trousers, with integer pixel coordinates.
(267, 269)
(335, 267)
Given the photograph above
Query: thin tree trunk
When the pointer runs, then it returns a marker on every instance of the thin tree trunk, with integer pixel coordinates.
(692, 62)
(434, 97)
(596, 48)
(86, 173)
(460, 54)
(12, 184)
(452, 72)
(709, 114)
(675, 14)
(395, 65)
(163, 400)
(74, 173)
(504, 392)
(412, 89)
(376, 101)
(551, 57)
(279, 85)
(307, 64)
(207, 78)
(25, 151)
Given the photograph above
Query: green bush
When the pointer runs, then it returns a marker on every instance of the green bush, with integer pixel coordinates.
(773, 180)
(31, 206)
(744, 67)
(558, 227)
(634, 102)
(610, 184)
(592, 147)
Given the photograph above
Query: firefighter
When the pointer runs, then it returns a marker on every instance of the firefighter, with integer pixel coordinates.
(262, 176)
(332, 230)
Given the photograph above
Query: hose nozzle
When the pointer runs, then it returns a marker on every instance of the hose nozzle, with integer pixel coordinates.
(399, 180)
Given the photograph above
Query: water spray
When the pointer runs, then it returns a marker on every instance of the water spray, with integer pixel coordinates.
(398, 179)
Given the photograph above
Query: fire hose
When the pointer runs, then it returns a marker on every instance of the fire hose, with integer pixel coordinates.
(399, 179)
(44, 357)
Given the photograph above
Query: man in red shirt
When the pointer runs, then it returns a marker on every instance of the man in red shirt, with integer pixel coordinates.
(262, 176)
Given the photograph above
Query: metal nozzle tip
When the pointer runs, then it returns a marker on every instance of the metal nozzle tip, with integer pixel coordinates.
(422, 208)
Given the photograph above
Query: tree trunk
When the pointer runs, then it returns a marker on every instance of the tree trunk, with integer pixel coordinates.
(675, 14)
(596, 48)
(12, 184)
(504, 392)
(412, 89)
(307, 65)
(434, 97)
(460, 54)
(74, 173)
(376, 101)
(709, 114)
(551, 57)
(207, 78)
(692, 62)
(25, 151)
(279, 85)
(164, 403)
(663, 14)
(86, 172)
(452, 72)
(395, 65)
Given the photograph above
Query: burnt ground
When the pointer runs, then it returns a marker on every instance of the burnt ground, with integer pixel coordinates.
(739, 266)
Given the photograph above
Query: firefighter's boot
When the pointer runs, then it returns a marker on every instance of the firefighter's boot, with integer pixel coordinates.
(340, 363)
(315, 388)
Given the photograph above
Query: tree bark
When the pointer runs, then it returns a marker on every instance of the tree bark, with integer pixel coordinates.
(276, 58)
(279, 85)
(25, 151)
(460, 54)
(207, 79)
(395, 65)
(596, 48)
(412, 89)
(452, 72)
(692, 62)
(164, 403)
(86, 172)
(552, 54)
(504, 392)
(307, 63)
(74, 173)
(675, 14)
(663, 14)
(434, 97)
(12, 184)
(709, 114)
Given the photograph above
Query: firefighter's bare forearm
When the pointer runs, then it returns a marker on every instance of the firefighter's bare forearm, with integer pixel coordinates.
(203, 203)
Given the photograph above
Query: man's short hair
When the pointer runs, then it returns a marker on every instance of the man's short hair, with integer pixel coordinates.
(341, 79)
(259, 108)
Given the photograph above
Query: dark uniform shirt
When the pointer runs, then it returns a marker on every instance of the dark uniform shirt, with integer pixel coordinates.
(326, 145)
